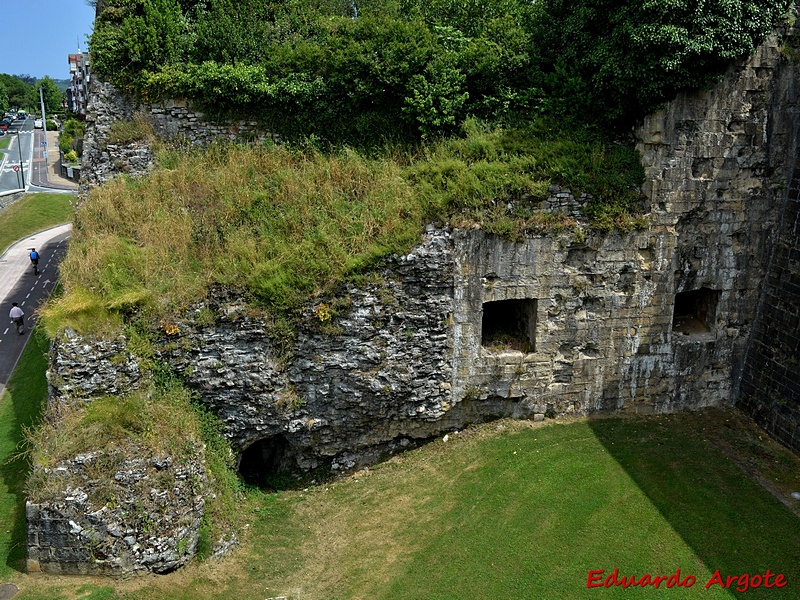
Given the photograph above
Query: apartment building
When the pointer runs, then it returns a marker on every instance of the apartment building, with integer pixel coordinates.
(80, 72)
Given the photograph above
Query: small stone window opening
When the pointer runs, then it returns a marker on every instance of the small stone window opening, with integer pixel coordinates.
(695, 311)
(509, 325)
(266, 462)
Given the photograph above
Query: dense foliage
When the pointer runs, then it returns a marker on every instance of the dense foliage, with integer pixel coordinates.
(365, 71)
(624, 58)
(22, 92)
(18, 93)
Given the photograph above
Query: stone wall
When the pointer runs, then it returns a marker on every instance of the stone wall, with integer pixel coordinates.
(469, 327)
(770, 386)
(173, 121)
(144, 517)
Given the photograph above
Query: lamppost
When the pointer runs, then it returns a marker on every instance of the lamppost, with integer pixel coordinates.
(21, 168)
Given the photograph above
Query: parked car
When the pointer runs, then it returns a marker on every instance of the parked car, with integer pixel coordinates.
(38, 124)
(21, 115)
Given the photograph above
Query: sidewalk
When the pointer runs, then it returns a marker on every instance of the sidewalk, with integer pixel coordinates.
(53, 163)
(49, 175)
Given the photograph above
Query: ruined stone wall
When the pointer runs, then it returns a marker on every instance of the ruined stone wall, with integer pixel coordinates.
(770, 386)
(653, 320)
(173, 121)
(144, 516)
(469, 327)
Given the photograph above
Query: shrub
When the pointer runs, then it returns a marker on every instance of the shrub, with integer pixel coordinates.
(65, 142)
(408, 68)
(614, 62)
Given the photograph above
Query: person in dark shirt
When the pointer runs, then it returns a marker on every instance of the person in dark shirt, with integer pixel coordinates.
(35, 260)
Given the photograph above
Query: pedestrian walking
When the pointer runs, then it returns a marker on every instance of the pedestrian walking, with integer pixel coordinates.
(18, 317)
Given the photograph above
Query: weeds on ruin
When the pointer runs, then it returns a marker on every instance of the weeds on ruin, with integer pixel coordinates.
(160, 421)
(286, 224)
(139, 128)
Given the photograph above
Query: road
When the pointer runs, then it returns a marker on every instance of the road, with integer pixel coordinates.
(15, 164)
(24, 166)
(19, 284)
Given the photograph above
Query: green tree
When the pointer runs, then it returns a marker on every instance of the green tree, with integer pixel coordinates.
(615, 60)
(3, 98)
(132, 38)
(51, 94)
(437, 98)
(20, 94)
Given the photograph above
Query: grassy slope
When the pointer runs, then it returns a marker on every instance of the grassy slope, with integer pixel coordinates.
(33, 213)
(286, 224)
(20, 408)
(509, 510)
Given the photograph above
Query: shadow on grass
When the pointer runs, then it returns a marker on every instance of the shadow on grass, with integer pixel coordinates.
(20, 409)
(730, 522)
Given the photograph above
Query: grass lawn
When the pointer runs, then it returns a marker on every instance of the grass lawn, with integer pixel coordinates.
(4, 142)
(20, 408)
(33, 213)
(506, 510)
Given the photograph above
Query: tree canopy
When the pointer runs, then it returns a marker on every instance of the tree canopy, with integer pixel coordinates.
(361, 71)
(20, 94)
(51, 94)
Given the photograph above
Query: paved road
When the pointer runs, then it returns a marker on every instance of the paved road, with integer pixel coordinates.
(19, 153)
(19, 284)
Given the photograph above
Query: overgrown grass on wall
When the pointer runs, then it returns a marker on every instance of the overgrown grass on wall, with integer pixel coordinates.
(285, 224)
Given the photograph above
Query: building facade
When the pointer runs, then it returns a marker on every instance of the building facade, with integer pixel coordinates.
(80, 73)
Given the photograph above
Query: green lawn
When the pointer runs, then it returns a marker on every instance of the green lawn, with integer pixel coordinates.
(33, 213)
(504, 510)
(4, 142)
(20, 408)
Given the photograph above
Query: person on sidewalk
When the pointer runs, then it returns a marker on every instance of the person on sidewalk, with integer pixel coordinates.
(17, 316)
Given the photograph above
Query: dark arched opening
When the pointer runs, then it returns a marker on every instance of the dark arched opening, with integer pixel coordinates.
(266, 462)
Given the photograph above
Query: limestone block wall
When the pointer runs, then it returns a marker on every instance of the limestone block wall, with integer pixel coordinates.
(469, 327)
(716, 163)
(770, 385)
(770, 389)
